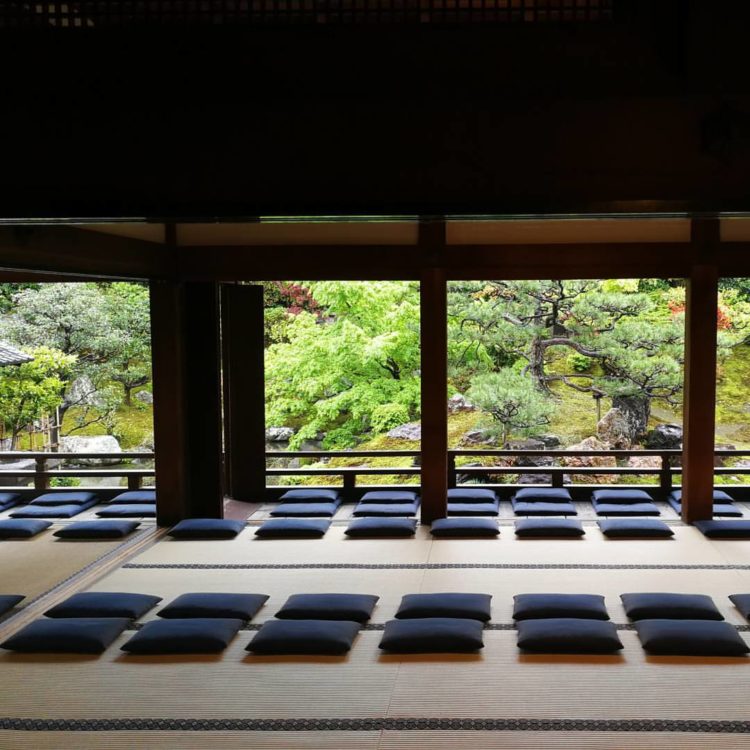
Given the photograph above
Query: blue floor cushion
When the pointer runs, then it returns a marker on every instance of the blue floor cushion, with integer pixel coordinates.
(690, 638)
(474, 509)
(329, 637)
(538, 606)
(65, 498)
(135, 497)
(720, 510)
(8, 500)
(720, 497)
(104, 604)
(102, 529)
(659, 605)
(233, 606)
(465, 606)
(382, 497)
(621, 496)
(352, 607)
(568, 635)
(22, 528)
(742, 602)
(733, 529)
(146, 510)
(77, 635)
(543, 494)
(549, 527)
(385, 509)
(309, 496)
(471, 495)
(50, 511)
(199, 635)
(446, 528)
(293, 528)
(621, 509)
(541, 508)
(302, 510)
(629, 528)
(432, 635)
(206, 528)
(8, 601)
(363, 528)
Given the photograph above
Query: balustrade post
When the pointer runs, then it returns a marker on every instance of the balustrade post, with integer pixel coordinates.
(350, 481)
(452, 477)
(134, 482)
(665, 475)
(41, 481)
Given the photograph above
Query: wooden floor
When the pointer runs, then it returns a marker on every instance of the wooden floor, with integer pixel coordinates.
(498, 698)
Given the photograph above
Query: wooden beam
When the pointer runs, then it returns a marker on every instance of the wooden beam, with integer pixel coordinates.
(434, 367)
(700, 375)
(244, 388)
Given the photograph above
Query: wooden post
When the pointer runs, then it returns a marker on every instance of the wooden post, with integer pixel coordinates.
(434, 367)
(700, 375)
(244, 391)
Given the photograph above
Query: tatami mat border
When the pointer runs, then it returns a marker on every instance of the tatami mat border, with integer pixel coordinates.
(375, 724)
(424, 566)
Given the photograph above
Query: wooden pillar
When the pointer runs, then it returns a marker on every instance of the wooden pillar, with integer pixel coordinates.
(434, 368)
(187, 404)
(700, 374)
(244, 391)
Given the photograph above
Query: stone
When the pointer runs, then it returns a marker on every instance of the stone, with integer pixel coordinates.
(82, 392)
(721, 460)
(279, 434)
(590, 444)
(92, 444)
(614, 429)
(145, 397)
(529, 444)
(644, 462)
(636, 410)
(667, 436)
(550, 440)
(408, 431)
(458, 403)
(476, 437)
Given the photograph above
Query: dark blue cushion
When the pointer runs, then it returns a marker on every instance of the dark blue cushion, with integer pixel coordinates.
(135, 497)
(8, 500)
(361, 528)
(65, 498)
(199, 635)
(302, 510)
(621, 496)
(650, 605)
(725, 510)
(206, 528)
(630, 527)
(622, 509)
(22, 528)
(310, 496)
(581, 606)
(742, 602)
(304, 637)
(231, 606)
(539, 508)
(568, 635)
(387, 509)
(112, 529)
(446, 528)
(720, 497)
(78, 635)
(549, 527)
(543, 494)
(147, 510)
(292, 528)
(50, 511)
(690, 638)
(471, 495)
(384, 497)
(724, 529)
(464, 606)
(104, 604)
(352, 607)
(432, 635)
(474, 509)
(8, 601)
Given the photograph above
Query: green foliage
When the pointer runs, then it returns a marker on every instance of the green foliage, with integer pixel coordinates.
(65, 482)
(579, 362)
(8, 293)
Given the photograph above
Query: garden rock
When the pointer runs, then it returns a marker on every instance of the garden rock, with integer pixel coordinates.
(92, 444)
(145, 397)
(590, 444)
(550, 440)
(279, 434)
(458, 403)
(476, 437)
(664, 436)
(644, 462)
(408, 431)
(614, 429)
(721, 460)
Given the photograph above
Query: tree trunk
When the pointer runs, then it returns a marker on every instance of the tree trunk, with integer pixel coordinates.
(536, 364)
(128, 390)
(637, 410)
